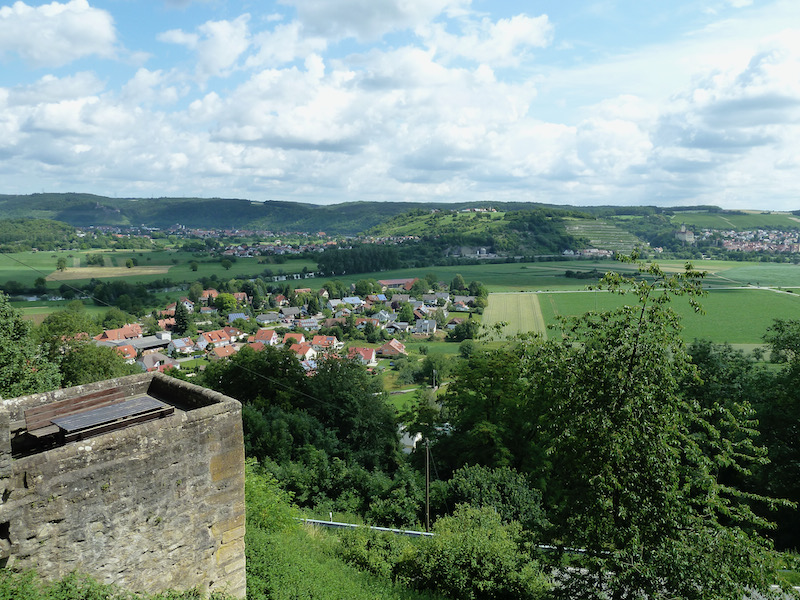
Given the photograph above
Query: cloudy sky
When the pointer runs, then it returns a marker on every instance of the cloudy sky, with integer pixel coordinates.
(325, 101)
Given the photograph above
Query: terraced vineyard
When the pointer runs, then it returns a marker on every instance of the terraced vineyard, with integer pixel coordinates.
(604, 235)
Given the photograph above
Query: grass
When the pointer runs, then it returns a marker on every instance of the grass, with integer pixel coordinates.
(521, 313)
(722, 321)
(26, 267)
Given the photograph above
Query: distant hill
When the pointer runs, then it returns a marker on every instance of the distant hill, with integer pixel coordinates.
(83, 210)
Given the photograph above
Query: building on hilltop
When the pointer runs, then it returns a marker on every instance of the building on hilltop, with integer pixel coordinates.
(136, 481)
(685, 235)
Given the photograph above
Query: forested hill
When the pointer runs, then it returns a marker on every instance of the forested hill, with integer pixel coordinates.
(83, 210)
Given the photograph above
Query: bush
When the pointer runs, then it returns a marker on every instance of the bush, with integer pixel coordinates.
(474, 556)
(373, 551)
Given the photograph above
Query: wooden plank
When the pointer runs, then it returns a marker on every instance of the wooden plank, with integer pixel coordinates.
(41, 416)
(105, 414)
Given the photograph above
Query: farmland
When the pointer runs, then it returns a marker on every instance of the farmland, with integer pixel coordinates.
(735, 316)
(26, 267)
(520, 312)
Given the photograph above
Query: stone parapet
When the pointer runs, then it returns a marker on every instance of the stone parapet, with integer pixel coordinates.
(155, 506)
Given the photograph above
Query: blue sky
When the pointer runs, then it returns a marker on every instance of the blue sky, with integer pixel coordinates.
(326, 101)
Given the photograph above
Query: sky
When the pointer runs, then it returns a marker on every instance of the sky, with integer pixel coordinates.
(587, 102)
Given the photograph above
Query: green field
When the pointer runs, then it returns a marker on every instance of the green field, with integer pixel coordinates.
(519, 312)
(26, 267)
(733, 316)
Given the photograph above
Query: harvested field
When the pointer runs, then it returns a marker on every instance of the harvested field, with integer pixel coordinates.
(106, 272)
(520, 311)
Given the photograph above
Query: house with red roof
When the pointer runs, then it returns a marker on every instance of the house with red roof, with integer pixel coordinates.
(215, 338)
(126, 332)
(264, 336)
(128, 352)
(366, 356)
(326, 343)
(208, 296)
(392, 348)
(304, 351)
(220, 352)
(293, 338)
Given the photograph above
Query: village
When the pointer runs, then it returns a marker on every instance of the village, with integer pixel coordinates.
(383, 319)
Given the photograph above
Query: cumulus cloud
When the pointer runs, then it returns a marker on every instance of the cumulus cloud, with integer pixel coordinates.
(218, 44)
(284, 44)
(55, 34)
(366, 19)
(503, 42)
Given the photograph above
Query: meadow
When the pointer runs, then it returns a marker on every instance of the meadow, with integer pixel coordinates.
(735, 316)
(26, 267)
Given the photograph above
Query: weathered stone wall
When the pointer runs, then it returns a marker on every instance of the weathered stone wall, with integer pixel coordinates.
(155, 506)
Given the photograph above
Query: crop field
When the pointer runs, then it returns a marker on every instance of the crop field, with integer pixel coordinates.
(26, 267)
(520, 313)
(740, 222)
(734, 316)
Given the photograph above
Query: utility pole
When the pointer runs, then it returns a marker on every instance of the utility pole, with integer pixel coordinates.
(427, 485)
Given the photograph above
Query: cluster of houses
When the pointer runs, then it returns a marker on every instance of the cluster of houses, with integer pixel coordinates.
(377, 311)
(161, 351)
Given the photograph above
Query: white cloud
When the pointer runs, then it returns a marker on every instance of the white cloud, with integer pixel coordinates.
(368, 19)
(284, 44)
(55, 34)
(149, 87)
(504, 42)
(50, 89)
(218, 45)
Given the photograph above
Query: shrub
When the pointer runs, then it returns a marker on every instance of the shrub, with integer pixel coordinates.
(474, 556)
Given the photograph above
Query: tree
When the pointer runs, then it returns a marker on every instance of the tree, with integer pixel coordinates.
(183, 320)
(114, 318)
(225, 303)
(61, 264)
(86, 362)
(193, 265)
(195, 291)
(226, 264)
(466, 330)
(633, 475)
(458, 284)
(406, 313)
(24, 368)
(129, 263)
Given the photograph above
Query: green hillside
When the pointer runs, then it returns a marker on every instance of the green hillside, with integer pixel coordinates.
(737, 220)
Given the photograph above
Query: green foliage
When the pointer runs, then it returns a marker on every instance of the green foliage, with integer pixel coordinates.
(85, 362)
(23, 234)
(269, 507)
(298, 565)
(24, 366)
(225, 303)
(634, 471)
(474, 555)
(467, 330)
(183, 320)
(502, 489)
(29, 586)
(373, 551)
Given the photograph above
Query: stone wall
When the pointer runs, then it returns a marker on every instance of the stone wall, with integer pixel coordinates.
(155, 506)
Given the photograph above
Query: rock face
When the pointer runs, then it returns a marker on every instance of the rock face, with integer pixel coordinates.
(153, 506)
